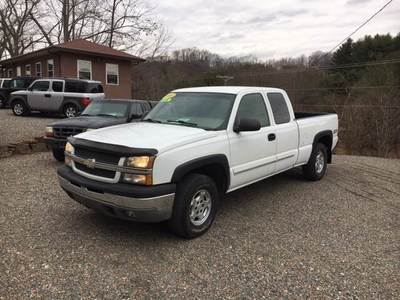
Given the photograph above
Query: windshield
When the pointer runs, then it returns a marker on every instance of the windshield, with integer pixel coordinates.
(17, 83)
(107, 108)
(208, 111)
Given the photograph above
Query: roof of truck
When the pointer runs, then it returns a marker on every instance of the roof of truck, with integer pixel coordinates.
(227, 89)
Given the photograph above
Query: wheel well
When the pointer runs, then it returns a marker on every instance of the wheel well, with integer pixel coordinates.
(217, 173)
(12, 101)
(326, 140)
(214, 166)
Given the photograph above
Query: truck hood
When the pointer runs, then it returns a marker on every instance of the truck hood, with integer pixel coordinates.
(88, 122)
(19, 91)
(160, 137)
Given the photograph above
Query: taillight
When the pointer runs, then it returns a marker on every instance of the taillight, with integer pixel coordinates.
(85, 101)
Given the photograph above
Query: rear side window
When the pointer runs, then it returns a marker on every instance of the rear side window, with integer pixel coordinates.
(253, 106)
(74, 87)
(136, 109)
(94, 88)
(279, 108)
(41, 86)
(57, 86)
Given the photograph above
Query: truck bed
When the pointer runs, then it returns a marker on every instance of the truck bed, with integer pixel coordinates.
(302, 115)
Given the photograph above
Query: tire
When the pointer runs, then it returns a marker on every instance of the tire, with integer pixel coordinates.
(19, 108)
(316, 167)
(192, 187)
(70, 110)
(58, 154)
(2, 102)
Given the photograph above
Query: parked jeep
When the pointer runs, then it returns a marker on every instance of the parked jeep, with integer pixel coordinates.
(99, 114)
(57, 95)
(8, 86)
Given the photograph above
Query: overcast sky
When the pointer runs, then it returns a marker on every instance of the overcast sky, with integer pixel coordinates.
(272, 29)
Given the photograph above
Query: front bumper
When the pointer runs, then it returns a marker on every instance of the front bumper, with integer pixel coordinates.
(124, 201)
(55, 143)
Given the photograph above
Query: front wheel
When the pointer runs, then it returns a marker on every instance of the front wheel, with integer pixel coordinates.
(58, 154)
(195, 206)
(19, 108)
(70, 111)
(316, 167)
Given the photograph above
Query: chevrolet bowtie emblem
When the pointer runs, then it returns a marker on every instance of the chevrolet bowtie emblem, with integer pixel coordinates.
(90, 163)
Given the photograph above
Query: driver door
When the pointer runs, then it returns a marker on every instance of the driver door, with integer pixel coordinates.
(39, 95)
(252, 153)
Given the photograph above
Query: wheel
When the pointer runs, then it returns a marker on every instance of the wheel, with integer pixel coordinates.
(19, 108)
(195, 206)
(58, 154)
(316, 167)
(2, 102)
(70, 110)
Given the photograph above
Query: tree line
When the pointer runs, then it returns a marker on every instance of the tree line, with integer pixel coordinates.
(360, 82)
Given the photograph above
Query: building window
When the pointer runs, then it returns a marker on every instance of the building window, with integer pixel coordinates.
(9, 73)
(112, 74)
(38, 66)
(18, 71)
(50, 67)
(84, 69)
(28, 70)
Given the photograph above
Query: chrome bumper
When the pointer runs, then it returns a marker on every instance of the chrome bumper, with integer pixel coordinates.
(154, 209)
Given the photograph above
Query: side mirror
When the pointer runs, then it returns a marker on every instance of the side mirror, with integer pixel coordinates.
(245, 124)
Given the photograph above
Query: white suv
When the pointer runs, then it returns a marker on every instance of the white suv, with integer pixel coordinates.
(66, 96)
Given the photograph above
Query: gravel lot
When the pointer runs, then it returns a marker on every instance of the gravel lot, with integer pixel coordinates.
(15, 129)
(280, 238)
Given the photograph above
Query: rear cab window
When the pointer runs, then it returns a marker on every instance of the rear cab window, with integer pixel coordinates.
(279, 108)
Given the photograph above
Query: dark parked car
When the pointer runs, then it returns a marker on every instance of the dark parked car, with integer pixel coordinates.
(15, 84)
(99, 114)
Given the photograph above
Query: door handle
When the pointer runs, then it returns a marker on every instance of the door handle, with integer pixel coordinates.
(47, 95)
(271, 137)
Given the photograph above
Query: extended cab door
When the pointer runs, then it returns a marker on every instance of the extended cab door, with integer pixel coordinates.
(38, 95)
(252, 153)
(285, 129)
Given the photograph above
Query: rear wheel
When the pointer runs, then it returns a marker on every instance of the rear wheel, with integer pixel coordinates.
(58, 154)
(195, 206)
(19, 108)
(316, 167)
(70, 110)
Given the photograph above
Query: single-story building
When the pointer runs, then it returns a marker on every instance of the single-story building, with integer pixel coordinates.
(78, 59)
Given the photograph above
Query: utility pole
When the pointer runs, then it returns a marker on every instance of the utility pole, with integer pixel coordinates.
(225, 78)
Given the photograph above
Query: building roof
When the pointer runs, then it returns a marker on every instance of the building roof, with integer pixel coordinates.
(77, 46)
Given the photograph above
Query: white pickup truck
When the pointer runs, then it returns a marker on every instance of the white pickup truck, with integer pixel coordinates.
(196, 145)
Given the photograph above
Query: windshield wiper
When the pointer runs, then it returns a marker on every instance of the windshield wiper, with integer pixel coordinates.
(186, 123)
(151, 121)
(106, 115)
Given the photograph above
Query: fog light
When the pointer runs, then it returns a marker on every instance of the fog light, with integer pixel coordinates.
(137, 179)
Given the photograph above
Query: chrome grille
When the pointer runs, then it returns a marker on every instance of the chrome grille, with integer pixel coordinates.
(65, 132)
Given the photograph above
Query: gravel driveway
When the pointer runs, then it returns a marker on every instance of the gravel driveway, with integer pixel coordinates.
(280, 238)
(15, 129)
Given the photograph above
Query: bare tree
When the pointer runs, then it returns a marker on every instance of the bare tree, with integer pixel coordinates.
(16, 26)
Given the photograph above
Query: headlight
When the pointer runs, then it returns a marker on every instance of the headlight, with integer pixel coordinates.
(69, 149)
(48, 131)
(141, 162)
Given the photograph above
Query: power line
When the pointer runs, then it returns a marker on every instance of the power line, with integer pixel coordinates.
(361, 26)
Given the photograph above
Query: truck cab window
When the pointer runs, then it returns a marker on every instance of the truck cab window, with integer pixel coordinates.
(279, 108)
(252, 106)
